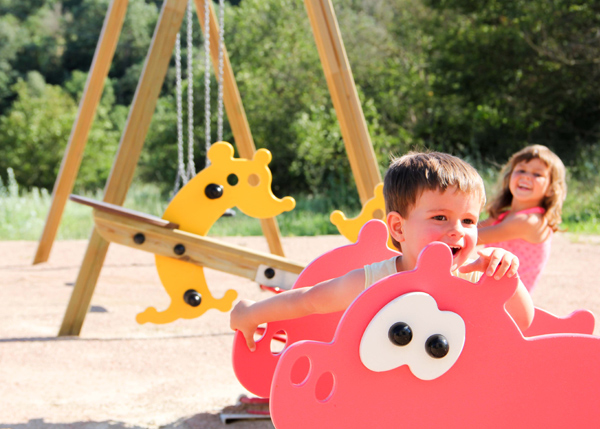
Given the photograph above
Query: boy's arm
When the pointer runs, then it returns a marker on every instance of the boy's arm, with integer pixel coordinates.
(326, 297)
(530, 227)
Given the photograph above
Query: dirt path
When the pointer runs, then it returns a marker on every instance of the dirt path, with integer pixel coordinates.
(120, 374)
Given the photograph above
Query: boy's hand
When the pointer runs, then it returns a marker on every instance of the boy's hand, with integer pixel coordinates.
(240, 320)
(493, 261)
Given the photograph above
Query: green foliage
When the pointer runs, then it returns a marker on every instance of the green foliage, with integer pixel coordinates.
(506, 74)
(35, 131)
(37, 128)
(83, 23)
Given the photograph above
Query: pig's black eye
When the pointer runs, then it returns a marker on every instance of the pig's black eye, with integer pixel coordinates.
(400, 334)
(437, 346)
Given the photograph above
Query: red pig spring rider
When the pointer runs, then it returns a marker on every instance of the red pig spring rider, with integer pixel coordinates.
(426, 349)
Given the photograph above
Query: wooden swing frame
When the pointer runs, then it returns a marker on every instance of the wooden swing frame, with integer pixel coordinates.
(341, 86)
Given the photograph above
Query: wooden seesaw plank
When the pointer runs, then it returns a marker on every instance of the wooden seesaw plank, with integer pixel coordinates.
(118, 225)
(113, 208)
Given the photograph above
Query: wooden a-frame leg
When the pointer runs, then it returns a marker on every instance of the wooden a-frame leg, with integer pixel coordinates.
(130, 147)
(105, 50)
(84, 286)
(344, 96)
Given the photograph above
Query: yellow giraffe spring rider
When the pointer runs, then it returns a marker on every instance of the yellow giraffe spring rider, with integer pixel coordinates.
(179, 241)
(373, 208)
(226, 183)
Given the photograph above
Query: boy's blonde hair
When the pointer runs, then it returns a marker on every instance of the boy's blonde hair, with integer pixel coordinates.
(415, 172)
(557, 188)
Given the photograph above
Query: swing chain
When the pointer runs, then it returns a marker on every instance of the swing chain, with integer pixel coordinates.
(221, 65)
(207, 139)
(191, 170)
(185, 174)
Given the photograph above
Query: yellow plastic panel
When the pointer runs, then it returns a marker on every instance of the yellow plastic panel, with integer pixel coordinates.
(226, 183)
(372, 209)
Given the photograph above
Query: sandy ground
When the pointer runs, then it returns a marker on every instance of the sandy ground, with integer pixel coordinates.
(120, 374)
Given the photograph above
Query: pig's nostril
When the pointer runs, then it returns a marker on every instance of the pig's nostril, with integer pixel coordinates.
(324, 387)
(300, 371)
(278, 342)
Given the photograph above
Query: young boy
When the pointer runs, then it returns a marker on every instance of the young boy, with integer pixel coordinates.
(429, 197)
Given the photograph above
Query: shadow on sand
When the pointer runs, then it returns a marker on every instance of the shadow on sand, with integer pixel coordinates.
(198, 421)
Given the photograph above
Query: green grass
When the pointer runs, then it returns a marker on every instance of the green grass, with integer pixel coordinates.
(581, 211)
(23, 213)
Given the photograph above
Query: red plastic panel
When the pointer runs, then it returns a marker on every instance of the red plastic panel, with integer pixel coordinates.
(255, 369)
(500, 380)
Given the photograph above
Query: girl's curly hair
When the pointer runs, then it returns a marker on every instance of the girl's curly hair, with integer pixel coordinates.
(554, 199)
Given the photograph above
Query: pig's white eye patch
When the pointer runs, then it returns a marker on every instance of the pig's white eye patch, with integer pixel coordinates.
(411, 330)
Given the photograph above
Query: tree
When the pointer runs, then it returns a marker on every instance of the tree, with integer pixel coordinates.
(506, 74)
(35, 132)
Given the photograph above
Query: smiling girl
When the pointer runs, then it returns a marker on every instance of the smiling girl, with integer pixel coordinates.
(527, 210)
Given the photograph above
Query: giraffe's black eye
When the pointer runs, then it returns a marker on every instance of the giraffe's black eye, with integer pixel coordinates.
(193, 298)
(213, 191)
(232, 180)
(400, 334)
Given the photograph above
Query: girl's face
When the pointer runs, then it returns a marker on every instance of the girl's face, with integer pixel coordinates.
(529, 182)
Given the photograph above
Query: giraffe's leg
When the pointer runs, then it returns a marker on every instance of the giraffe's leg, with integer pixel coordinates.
(178, 278)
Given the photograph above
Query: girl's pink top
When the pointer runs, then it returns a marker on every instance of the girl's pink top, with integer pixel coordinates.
(532, 256)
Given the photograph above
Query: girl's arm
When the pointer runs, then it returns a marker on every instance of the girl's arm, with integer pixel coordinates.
(326, 297)
(531, 227)
(520, 307)
(487, 222)
(499, 262)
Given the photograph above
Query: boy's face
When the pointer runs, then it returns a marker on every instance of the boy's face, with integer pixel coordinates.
(450, 217)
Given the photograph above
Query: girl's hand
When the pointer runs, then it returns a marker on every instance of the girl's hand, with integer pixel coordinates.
(493, 261)
(241, 320)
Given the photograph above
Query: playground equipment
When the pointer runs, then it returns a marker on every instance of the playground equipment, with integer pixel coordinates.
(255, 369)
(339, 80)
(177, 239)
(338, 75)
(258, 370)
(464, 364)
(372, 209)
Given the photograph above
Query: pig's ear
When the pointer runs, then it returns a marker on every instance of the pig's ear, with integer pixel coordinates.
(436, 257)
(374, 231)
(499, 290)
